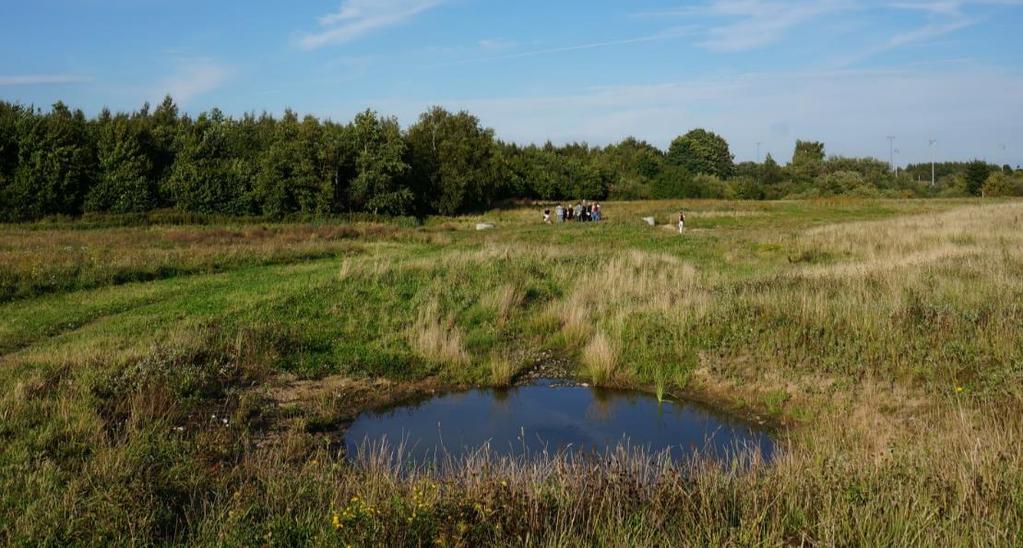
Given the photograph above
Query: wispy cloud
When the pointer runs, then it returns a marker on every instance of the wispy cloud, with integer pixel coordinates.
(949, 7)
(740, 25)
(357, 18)
(496, 44)
(945, 17)
(674, 32)
(42, 79)
(939, 7)
(192, 79)
(761, 23)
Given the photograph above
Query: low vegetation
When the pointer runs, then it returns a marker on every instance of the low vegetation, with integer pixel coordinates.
(188, 384)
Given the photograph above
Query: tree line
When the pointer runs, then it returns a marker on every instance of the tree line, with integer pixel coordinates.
(60, 162)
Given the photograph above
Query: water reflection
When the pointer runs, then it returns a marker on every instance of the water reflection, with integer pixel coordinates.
(546, 416)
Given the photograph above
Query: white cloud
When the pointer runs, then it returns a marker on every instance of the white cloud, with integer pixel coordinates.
(192, 79)
(357, 18)
(41, 79)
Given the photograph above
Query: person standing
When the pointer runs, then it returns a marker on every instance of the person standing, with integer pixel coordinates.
(596, 211)
(547, 216)
(681, 221)
(559, 213)
(578, 211)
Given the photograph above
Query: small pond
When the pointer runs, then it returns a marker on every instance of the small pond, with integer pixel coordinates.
(552, 416)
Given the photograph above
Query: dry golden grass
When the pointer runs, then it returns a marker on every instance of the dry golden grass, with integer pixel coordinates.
(502, 370)
(600, 360)
(504, 300)
(437, 338)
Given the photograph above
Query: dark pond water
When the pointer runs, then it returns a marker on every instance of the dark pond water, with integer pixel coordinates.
(553, 417)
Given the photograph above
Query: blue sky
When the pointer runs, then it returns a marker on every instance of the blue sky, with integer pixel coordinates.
(848, 72)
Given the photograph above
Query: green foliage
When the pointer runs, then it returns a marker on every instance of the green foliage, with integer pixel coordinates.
(807, 160)
(745, 188)
(840, 182)
(59, 163)
(770, 172)
(674, 182)
(56, 164)
(701, 151)
(123, 185)
(381, 165)
(632, 166)
(453, 161)
(1000, 183)
(287, 180)
(975, 175)
(206, 178)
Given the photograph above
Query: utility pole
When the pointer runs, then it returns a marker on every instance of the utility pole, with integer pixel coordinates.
(891, 152)
(931, 144)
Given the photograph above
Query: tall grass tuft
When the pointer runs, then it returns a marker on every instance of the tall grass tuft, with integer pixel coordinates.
(502, 370)
(437, 338)
(660, 382)
(600, 358)
(504, 300)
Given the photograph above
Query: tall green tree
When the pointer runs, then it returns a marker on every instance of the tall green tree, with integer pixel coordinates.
(165, 124)
(452, 159)
(56, 164)
(123, 183)
(336, 160)
(632, 166)
(701, 151)
(204, 178)
(10, 116)
(770, 172)
(288, 178)
(380, 166)
(807, 160)
(976, 174)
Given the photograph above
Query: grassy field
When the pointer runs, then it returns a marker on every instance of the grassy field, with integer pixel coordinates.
(188, 383)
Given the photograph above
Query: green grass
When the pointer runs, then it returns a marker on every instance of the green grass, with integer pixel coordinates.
(882, 336)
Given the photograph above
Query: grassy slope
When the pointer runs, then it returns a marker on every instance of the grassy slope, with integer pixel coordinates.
(888, 331)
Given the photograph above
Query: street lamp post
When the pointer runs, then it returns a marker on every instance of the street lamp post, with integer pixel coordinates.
(891, 152)
(931, 144)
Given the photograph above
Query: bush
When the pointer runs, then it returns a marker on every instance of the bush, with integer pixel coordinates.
(1000, 184)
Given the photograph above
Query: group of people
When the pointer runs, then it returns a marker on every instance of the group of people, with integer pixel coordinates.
(584, 212)
(581, 212)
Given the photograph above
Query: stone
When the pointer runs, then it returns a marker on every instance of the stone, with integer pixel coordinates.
(650, 221)
(485, 226)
